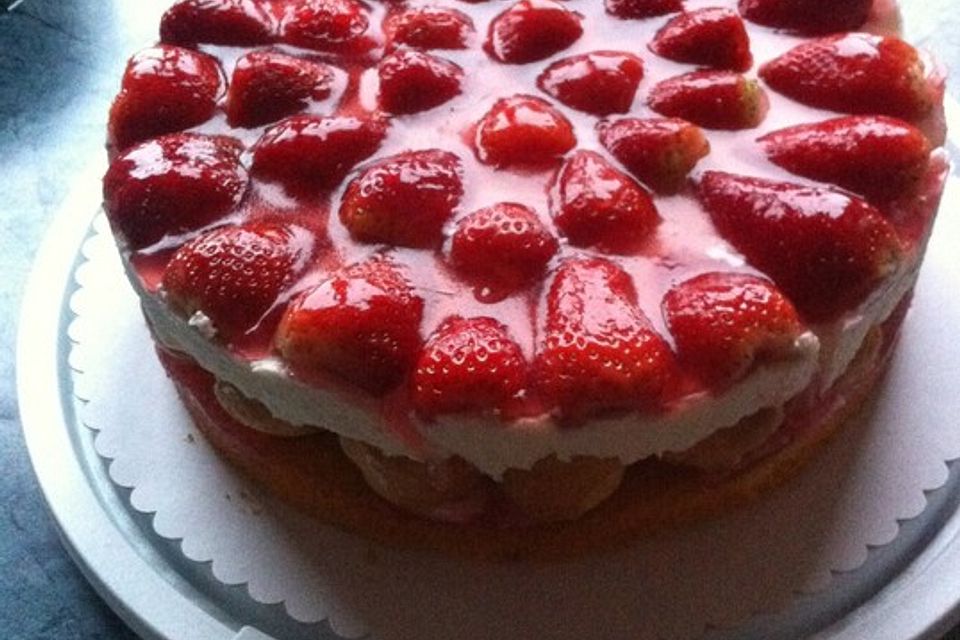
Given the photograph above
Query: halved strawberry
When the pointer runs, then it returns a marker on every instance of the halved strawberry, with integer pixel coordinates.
(595, 204)
(809, 17)
(412, 81)
(315, 152)
(826, 249)
(532, 30)
(712, 37)
(711, 99)
(171, 185)
(878, 157)
(503, 247)
(327, 25)
(229, 22)
(468, 364)
(636, 9)
(269, 85)
(599, 351)
(661, 152)
(363, 325)
(428, 28)
(403, 199)
(235, 275)
(164, 89)
(523, 130)
(854, 73)
(723, 323)
(601, 82)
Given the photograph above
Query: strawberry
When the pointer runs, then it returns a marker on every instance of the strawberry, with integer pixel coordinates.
(428, 28)
(315, 152)
(826, 249)
(878, 157)
(228, 22)
(504, 246)
(404, 199)
(523, 130)
(171, 185)
(601, 83)
(854, 73)
(467, 364)
(412, 81)
(595, 204)
(710, 37)
(235, 275)
(269, 85)
(363, 325)
(327, 25)
(599, 351)
(165, 89)
(722, 323)
(660, 152)
(636, 9)
(711, 99)
(809, 17)
(532, 30)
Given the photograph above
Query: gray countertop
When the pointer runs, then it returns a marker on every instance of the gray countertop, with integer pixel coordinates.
(60, 64)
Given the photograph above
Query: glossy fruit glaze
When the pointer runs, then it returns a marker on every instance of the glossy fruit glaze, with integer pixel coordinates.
(520, 207)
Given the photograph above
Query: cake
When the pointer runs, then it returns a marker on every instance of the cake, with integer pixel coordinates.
(524, 279)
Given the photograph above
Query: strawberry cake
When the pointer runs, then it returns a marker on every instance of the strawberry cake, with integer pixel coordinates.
(524, 278)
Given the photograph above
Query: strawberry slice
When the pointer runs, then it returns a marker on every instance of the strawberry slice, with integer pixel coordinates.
(660, 152)
(362, 325)
(523, 130)
(269, 85)
(854, 73)
(327, 25)
(236, 275)
(227, 22)
(503, 247)
(638, 9)
(404, 199)
(809, 17)
(712, 37)
(878, 157)
(468, 364)
(826, 249)
(723, 323)
(711, 99)
(412, 81)
(595, 204)
(601, 83)
(308, 152)
(599, 351)
(532, 30)
(165, 89)
(428, 28)
(171, 185)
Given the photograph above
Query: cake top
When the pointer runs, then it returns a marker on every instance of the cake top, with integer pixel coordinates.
(524, 208)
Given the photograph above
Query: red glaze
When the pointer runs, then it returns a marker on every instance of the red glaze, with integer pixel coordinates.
(171, 185)
(723, 323)
(165, 89)
(711, 99)
(594, 204)
(532, 30)
(638, 9)
(854, 73)
(412, 81)
(808, 16)
(824, 248)
(660, 152)
(523, 131)
(268, 85)
(468, 365)
(601, 83)
(710, 37)
(875, 156)
(327, 25)
(228, 22)
(428, 28)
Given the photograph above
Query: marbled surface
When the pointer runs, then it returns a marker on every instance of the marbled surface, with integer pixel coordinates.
(60, 64)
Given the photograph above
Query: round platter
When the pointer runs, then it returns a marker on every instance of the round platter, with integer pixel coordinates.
(905, 590)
